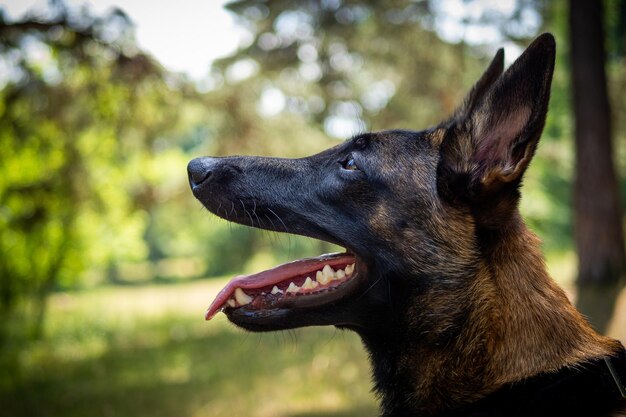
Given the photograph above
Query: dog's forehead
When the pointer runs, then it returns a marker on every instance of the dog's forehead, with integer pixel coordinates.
(391, 146)
(401, 138)
(401, 158)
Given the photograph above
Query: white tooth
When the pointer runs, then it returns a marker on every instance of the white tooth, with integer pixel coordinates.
(231, 303)
(276, 290)
(321, 278)
(293, 288)
(349, 269)
(241, 297)
(309, 284)
(340, 274)
(328, 272)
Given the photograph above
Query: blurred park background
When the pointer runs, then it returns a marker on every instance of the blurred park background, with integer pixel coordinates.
(107, 262)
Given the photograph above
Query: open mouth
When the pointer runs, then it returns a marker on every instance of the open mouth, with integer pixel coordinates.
(309, 282)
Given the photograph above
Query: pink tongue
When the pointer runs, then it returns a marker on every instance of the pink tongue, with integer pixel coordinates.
(275, 275)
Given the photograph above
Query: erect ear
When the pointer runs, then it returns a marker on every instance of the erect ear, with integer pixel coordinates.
(489, 145)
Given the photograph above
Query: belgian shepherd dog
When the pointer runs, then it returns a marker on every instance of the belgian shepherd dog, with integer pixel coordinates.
(440, 278)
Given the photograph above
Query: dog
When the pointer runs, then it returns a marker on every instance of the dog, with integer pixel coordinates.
(441, 279)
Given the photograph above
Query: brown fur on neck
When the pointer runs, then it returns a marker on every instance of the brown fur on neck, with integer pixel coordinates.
(519, 323)
(538, 328)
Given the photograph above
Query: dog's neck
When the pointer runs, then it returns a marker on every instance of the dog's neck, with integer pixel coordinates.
(507, 322)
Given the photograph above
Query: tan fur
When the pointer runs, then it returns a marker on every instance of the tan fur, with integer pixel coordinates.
(554, 334)
(521, 324)
(437, 136)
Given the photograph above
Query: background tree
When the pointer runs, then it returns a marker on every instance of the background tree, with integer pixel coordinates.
(81, 112)
(598, 215)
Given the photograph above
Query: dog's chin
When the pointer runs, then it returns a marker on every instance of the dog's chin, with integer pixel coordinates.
(281, 319)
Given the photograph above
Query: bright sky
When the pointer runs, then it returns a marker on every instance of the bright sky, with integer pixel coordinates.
(195, 33)
(199, 31)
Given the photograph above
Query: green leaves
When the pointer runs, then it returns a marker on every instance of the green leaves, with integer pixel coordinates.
(78, 123)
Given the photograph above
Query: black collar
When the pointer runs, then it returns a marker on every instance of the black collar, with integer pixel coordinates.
(595, 388)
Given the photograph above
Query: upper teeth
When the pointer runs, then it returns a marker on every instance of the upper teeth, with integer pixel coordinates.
(293, 288)
(323, 277)
(328, 272)
(241, 297)
(309, 284)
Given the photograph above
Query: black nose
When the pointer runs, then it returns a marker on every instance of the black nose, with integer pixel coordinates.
(200, 170)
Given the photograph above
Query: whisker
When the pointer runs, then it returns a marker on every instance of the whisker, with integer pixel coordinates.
(246, 212)
(256, 215)
(270, 220)
(273, 234)
(278, 217)
(284, 227)
(370, 287)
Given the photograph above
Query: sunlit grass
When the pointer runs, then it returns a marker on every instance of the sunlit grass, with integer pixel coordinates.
(147, 351)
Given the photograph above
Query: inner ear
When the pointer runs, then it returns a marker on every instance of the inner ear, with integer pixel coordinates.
(497, 147)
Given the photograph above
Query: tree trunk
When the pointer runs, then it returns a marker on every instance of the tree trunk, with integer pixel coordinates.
(597, 210)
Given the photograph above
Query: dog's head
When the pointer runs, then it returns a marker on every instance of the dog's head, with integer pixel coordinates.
(412, 208)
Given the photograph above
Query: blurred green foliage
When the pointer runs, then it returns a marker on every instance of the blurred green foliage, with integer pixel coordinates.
(79, 166)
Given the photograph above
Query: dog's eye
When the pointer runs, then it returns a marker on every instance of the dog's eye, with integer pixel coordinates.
(349, 164)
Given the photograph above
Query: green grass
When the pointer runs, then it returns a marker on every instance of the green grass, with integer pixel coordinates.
(139, 351)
